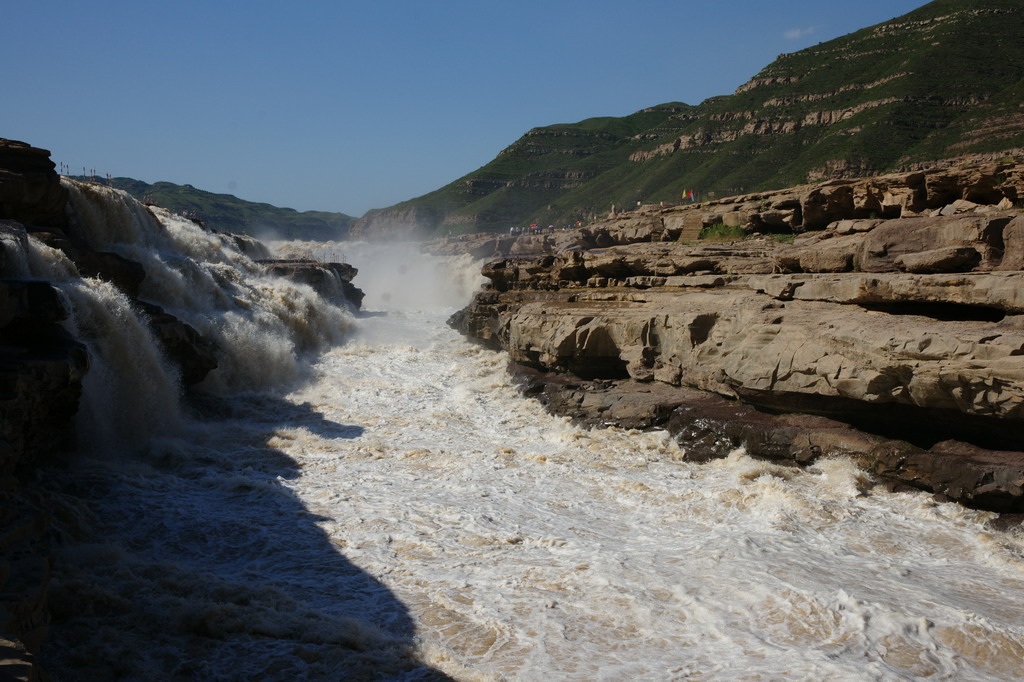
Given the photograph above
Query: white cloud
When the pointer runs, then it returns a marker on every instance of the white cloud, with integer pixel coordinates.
(796, 33)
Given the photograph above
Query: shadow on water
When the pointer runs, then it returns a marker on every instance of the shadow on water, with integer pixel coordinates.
(193, 560)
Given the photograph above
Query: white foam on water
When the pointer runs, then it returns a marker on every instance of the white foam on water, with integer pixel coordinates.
(407, 500)
(526, 548)
(261, 324)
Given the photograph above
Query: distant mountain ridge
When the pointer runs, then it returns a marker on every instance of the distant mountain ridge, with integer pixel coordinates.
(228, 213)
(941, 84)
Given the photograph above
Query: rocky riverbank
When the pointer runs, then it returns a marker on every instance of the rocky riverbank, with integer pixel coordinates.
(890, 328)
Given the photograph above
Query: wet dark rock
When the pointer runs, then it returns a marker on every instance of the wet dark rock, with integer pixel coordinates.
(709, 427)
(30, 300)
(41, 372)
(249, 246)
(965, 473)
(193, 354)
(125, 274)
(30, 189)
(333, 281)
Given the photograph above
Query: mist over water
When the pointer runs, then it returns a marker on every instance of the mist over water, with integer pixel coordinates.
(403, 510)
(398, 277)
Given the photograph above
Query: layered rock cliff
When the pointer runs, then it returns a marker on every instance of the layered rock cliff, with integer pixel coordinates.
(896, 340)
(940, 84)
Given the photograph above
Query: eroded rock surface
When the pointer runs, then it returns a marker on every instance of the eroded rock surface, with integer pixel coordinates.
(857, 204)
(899, 341)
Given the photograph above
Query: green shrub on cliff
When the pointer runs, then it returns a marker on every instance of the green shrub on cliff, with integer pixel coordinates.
(228, 213)
(720, 232)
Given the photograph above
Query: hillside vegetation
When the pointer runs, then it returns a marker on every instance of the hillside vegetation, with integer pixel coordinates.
(940, 84)
(228, 213)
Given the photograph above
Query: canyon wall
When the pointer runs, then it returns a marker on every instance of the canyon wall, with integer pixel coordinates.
(898, 340)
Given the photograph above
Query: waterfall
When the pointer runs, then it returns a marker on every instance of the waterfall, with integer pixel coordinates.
(261, 324)
(264, 327)
(131, 392)
(406, 508)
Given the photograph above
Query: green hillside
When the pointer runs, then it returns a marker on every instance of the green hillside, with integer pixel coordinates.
(228, 213)
(942, 82)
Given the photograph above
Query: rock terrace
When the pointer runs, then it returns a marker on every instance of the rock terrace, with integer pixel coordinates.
(899, 341)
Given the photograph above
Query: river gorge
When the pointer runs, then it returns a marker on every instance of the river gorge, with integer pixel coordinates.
(406, 501)
(366, 494)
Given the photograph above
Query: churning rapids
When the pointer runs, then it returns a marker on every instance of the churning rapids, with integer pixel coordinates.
(402, 513)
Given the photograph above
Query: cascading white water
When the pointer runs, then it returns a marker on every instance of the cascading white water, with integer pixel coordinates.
(130, 393)
(407, 502)
(260, 323)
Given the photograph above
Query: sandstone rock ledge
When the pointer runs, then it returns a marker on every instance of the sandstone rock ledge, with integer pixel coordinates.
(897, 341)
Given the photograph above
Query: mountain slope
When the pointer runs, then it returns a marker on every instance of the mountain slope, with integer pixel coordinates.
(228, 213)
(942, 82)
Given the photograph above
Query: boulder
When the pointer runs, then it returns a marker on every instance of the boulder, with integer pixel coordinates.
(959, 206)
(894, 239)
(844, 227)
(1013, 245)
(827, 260)
(827, 203)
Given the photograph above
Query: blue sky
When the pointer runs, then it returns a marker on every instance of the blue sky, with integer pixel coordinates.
(345, 106)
